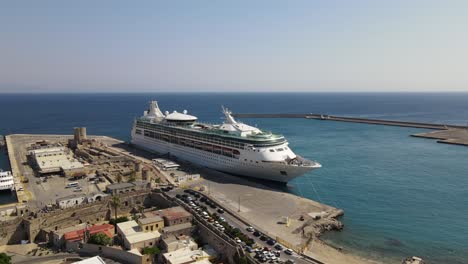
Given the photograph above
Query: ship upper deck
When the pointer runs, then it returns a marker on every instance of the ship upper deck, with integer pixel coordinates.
(259, 137)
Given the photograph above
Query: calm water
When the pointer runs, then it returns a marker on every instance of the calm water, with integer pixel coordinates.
(401, 195)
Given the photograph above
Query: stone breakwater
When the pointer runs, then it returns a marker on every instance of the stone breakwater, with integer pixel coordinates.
(353, 120)
(314, 228)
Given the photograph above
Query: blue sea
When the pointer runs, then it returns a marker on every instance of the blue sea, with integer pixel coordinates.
(402, 196)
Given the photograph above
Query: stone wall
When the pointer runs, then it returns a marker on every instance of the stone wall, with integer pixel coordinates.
(160, 201)
(39, 226)
(12, 231)
(225, 249)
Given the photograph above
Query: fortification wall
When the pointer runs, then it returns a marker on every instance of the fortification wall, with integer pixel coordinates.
(37, 227)
(12, 231)
(226, 250)
(159, 200)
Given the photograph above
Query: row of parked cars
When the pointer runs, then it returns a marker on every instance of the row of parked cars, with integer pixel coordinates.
(202, 209)
(265, 254)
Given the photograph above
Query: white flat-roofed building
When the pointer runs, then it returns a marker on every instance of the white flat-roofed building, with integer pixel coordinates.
(56, 160)
(186, 255)
(77, 199)
(166, 164)
(93, 260)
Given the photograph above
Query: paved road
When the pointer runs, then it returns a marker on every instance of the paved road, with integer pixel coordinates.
(236, 223)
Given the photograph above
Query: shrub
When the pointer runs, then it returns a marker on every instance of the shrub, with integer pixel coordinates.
(100, 239)
(5, 259)
(151, 251)
(121, 219)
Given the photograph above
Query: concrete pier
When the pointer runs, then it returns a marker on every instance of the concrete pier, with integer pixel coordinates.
(449, 136)
(352, 119)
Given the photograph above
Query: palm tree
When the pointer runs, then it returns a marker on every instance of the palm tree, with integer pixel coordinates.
(118, 178)
(115, 203)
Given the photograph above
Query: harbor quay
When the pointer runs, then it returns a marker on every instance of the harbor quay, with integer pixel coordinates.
(50, 182)
(90, 167)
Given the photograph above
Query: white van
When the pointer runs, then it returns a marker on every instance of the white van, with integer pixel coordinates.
(72, 184)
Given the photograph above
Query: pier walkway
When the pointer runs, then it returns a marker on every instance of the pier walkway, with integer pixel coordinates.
(352, 119)
(444, 133)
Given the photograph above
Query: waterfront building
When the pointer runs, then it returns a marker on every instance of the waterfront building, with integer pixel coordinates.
(56, 160)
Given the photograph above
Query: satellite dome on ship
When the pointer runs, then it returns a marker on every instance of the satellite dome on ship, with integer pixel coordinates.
(176, 116)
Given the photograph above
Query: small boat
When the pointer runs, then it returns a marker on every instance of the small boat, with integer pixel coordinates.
(413, 260)
(6, 181)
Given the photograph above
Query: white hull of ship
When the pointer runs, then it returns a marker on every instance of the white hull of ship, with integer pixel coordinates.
(261, 170)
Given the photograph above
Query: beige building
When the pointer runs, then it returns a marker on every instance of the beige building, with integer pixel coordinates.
(172, 216)
(173, 243)
(150, 224)
(56, 160)
(133, 236)
(186, 255)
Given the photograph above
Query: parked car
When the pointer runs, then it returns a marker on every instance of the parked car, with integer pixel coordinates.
(288, 251)
(250, 229)
(257, 234)
(279, 247)
(220, 210)
(271, 242)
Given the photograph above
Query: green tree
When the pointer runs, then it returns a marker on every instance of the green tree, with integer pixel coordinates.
(121, 219)
(151, 251)
(5, 259)
(115, 203)
(118, 178)
(100, 239)
(132, 177)
(243, 260)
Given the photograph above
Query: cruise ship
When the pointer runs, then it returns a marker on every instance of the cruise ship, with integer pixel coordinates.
(231, 147)
(6, 181)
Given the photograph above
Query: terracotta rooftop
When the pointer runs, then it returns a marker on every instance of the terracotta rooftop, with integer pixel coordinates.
(169, 213)
(78, 235)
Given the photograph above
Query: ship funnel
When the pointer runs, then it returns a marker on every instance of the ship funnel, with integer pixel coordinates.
(154, 111)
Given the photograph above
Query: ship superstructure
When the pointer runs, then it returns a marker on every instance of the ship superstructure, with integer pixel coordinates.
(231, 147)
(6, 181)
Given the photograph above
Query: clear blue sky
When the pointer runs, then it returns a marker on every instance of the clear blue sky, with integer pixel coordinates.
(117, 46)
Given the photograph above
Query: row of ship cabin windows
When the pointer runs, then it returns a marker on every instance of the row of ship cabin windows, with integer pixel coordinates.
(231, 153)
(279, 149)
(189, 136)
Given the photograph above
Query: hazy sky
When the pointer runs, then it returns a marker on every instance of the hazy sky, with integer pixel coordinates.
(98, 46)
